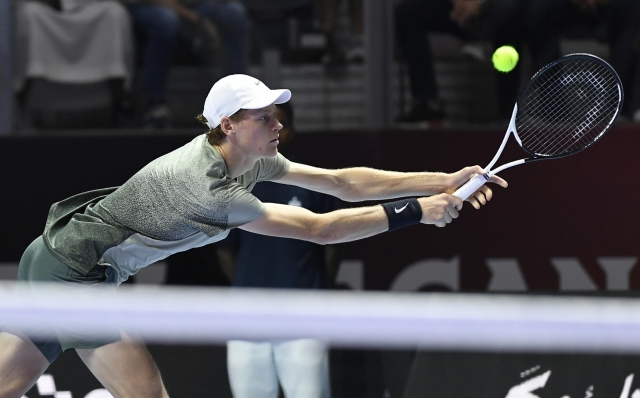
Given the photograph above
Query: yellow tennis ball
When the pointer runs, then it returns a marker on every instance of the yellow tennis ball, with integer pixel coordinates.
(505, 59)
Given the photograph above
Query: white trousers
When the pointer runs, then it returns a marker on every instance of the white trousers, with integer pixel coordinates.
(301, 367)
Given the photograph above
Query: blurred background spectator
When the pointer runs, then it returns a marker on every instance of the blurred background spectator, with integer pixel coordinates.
(158, 25)
(541, 25)
(536, 27)
(314, 46)
(291, 27)
(616, 22)
(72, 42)
(338, 50)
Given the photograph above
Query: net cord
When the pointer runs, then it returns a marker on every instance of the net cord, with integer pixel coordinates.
(351, 319)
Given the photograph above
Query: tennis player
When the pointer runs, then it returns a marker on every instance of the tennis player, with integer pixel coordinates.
(192, 197)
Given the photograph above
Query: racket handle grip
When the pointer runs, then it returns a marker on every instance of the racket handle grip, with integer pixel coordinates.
(470, 186)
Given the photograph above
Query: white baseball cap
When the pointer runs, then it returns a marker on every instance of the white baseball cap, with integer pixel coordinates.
(234, 92)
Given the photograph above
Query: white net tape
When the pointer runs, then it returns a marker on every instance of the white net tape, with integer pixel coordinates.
(341, 318)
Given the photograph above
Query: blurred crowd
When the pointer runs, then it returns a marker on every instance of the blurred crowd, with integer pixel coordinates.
(131, 46)
(535, 26)
(122, 42)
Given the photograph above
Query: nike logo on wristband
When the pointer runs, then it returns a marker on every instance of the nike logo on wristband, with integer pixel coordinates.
(400, 209)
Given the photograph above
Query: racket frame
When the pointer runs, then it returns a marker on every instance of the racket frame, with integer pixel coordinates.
(477, 181)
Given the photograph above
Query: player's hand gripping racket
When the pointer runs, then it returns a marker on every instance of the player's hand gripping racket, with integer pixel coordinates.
(566, 107)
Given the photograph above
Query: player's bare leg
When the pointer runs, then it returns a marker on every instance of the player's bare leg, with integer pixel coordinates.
(125, 368)
(21, 364)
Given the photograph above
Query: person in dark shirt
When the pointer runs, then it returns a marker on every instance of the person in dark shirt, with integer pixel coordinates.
(260, 261)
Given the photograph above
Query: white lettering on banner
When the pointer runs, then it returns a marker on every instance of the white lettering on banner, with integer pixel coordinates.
(505, 275)
(529, 371)
(429, 272)
(100, 393)
(574, 277)
(47, 386)
(627, 386)
(524, 389)
(589, 392)
(617, 270)
(572, 274)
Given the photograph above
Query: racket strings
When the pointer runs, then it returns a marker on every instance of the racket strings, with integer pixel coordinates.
(567, 107)
(550, 100)
(572, 130)
(576, 134)
(555, 107)
(590, 122)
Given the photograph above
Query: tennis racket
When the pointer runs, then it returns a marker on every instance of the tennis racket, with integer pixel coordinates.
(566, 107)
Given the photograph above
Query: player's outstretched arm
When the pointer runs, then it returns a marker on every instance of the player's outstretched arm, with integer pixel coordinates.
(361, 183)
(347, 225)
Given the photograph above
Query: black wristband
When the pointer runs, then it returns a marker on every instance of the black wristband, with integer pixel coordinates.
(402, 213)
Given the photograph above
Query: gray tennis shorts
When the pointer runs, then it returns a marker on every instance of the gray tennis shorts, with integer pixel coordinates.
(39, 265)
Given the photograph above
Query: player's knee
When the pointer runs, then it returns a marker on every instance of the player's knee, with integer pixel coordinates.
(21, 364)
